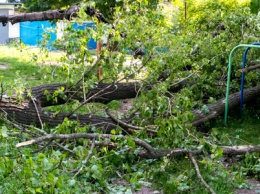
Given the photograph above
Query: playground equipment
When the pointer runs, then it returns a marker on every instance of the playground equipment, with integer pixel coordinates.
(248, 46)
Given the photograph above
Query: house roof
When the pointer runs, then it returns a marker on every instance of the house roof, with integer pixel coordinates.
(10, 3)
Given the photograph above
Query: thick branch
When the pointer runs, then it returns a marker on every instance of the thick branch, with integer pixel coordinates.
(115, 92)
(26, 113)
(66, 137)
(148, 152)
(40, 16)
(227, 150)
(51, 15)
(248, 69)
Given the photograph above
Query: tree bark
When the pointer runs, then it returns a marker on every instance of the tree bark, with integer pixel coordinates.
(218, 107)
(117, 91)
(148, 151)
(51, 15)
(248, 69)
(40, 16)
(27, 113)
(30, 111)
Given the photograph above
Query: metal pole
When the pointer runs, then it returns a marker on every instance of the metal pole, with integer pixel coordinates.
(229, 74)
(243, 78)
(99, 72)
(99, 45)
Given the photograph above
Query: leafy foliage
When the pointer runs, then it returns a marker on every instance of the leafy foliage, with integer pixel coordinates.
(39, 5)
(194, 49)
(255, 6)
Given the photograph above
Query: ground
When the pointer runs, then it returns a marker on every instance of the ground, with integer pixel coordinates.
(254, 190)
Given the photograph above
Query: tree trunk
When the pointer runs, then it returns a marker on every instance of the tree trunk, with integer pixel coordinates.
(117, 91)
(218, 107)
(31, 112)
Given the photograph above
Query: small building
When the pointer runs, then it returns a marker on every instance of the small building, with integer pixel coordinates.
(31, 33)
(9, 31)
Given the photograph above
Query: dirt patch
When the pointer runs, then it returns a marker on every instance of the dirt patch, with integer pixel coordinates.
(3, 66)
(254, 190)
(147, 190)
(126, 105)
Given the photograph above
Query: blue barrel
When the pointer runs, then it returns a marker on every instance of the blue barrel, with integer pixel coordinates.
(92, 44)
(31, 33)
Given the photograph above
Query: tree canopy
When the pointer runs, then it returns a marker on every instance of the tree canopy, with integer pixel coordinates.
(38, 5)
(255, 6)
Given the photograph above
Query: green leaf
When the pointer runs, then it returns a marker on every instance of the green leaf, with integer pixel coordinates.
(72, 182)
(41, 156)
(50, 178)
(94, 168)
(27, 171)
(47, 165)
(3, 131)
(39, 190)
(2, 166)
(113, 132)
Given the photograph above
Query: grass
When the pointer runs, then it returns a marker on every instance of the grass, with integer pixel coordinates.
(247, 128)
(242, 131)
(23, 63)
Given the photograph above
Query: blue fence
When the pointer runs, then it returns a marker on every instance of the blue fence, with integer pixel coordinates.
(31, 33)
(92, 44)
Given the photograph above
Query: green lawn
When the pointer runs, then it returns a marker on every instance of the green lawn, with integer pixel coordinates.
(24, 64)
(247, 128)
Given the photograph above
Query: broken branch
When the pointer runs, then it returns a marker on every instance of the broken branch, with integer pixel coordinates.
(126, 124)
(199, 174)
(149, 152)
(248, 69)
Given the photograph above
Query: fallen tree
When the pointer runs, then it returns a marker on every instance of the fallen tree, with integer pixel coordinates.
(143, 137)
(31, 111)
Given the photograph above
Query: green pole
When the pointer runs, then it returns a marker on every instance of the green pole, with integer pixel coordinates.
(229, 74)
